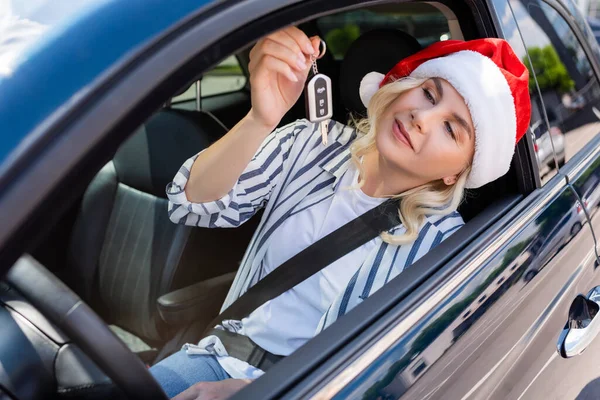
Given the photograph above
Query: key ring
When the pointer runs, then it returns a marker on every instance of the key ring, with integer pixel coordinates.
(322, 53)
(314, 59)
(324, 48)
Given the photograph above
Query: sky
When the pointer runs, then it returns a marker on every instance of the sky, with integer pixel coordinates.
(47, 12)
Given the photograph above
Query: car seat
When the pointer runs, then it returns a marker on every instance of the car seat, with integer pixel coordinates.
(124, 251)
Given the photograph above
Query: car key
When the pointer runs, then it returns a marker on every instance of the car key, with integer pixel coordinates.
(317, 95)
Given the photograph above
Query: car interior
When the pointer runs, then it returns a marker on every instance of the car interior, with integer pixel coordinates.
(159, 284)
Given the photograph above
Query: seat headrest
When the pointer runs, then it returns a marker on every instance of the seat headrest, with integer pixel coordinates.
(377, 50)
(151, 157)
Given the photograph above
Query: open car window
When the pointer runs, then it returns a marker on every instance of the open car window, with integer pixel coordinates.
(425, 22)
(428, 25)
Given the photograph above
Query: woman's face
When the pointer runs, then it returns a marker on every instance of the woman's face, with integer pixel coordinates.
(427, 132)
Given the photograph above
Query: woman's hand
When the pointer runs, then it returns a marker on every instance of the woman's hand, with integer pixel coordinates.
(277, 78)
(279, 65)
(213, 390)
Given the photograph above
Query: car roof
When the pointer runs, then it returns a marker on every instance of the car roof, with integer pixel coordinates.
(60, 67)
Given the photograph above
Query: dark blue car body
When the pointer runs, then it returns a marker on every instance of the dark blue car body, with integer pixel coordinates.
(63, 66)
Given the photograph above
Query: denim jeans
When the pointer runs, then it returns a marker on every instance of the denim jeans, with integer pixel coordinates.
(179, 371)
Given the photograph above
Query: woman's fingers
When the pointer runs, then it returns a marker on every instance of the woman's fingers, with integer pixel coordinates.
(284, 53)
(257, 64)
(300, 38)
(285, 39)
(270, 63)
(256, 48)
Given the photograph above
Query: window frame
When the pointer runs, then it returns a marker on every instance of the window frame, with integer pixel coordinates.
(75, 159)
(105, 124)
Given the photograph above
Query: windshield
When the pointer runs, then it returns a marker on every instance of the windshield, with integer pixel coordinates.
(25, 23)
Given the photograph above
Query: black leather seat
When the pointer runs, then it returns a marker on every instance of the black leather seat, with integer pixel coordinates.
(377, 50)
(125, 252)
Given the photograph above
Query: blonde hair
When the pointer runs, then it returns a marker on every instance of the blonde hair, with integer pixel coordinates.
(431, 198)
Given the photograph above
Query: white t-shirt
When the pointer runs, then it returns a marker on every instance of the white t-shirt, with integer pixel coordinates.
(285, 323)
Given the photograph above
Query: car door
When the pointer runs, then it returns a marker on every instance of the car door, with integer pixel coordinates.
(574, 104)
(498, 320)
(487, 323)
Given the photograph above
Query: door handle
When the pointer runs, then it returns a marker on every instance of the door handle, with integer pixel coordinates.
(582, 326)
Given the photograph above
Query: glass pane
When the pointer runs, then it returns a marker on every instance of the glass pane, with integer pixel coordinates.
(589, 27)
(189, 94)
(570, 90)
(539, 132)
(224, 78)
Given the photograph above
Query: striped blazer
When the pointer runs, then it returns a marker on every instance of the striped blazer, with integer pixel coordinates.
(292, 171)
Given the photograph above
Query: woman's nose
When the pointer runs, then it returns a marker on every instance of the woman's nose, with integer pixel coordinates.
(420, 119)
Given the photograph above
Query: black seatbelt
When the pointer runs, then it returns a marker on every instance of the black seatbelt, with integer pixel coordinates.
(313, 259)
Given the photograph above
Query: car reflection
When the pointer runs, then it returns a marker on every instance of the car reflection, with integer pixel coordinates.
(472, 308)
(546, 245)
(544, 139)
(595, 26)
(516, 268)
(588, 187)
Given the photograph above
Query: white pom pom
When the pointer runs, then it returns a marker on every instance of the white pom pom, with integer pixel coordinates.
(369, 85)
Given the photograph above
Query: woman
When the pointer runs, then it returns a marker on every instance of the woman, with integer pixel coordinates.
(440, 121)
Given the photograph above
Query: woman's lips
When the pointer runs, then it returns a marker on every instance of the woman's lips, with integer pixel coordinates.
(401, 134)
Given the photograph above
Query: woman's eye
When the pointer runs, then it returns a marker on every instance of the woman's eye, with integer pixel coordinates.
(449, 129)
(428, 95)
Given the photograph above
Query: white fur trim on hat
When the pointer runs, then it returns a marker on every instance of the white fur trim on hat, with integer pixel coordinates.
(369, 85)
(489, 99)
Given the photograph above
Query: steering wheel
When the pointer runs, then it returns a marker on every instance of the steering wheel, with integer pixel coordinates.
(66, 310)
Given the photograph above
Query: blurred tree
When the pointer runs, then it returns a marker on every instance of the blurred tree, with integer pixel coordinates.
(549, 70)
(339, 39)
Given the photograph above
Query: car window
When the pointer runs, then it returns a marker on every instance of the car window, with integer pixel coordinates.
(540, 133)
(569, 88)
(588, 26)
(427, 24)
(226, 77)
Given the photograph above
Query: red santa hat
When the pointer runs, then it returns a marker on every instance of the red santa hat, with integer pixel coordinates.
(494, 84)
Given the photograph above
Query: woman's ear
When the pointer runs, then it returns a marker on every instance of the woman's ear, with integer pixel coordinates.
(450, 180)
